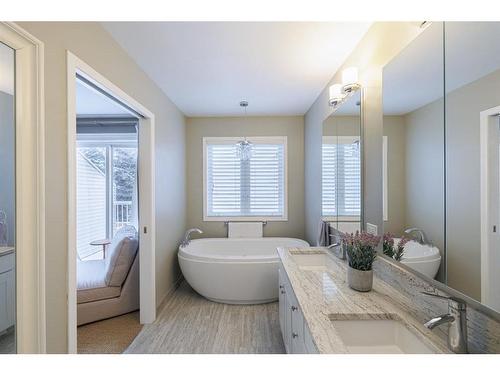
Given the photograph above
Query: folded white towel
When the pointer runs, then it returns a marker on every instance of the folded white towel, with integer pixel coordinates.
(245, 230)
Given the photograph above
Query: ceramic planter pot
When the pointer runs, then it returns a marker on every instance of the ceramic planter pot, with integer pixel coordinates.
(362, 281)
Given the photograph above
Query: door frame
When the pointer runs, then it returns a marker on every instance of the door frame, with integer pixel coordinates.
(146, 175)
(30, 188)
(486, 118)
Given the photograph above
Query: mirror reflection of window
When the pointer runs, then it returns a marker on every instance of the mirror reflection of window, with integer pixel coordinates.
(341, 167)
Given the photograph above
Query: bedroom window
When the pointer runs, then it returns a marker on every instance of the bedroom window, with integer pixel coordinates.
(106, 188)
(245, 178)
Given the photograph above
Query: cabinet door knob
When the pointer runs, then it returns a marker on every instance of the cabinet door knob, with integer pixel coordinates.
(294, 335)
(282, 291)
(294, 308)
(281, 286)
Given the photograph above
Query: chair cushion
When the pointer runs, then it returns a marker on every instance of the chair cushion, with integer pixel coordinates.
(91, 284)
(120, 256)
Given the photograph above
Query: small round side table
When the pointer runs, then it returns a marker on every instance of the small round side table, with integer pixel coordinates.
(104, 242)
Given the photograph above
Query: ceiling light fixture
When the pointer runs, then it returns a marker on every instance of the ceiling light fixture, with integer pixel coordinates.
(336, 94)
(350, 79)
(244, 147)
(350, 84)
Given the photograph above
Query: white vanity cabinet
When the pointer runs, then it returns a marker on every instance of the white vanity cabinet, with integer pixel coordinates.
(296, 335)
(7, 290)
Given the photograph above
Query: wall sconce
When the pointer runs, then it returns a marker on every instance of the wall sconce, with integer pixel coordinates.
(350, 80)
(336, 94)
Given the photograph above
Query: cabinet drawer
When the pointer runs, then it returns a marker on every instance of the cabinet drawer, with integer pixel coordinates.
(6, 262)
(7, 300)
(298, 346)
(308, 341)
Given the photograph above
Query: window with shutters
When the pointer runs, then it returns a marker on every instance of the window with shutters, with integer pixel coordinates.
(341, 183)
(250, 187)
(341, 178)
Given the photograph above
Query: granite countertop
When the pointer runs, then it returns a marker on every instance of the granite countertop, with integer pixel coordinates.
(4, 250)
(324, 296)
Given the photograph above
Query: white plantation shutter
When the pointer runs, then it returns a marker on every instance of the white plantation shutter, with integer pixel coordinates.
(223, 180)
(245, 188)
(329, 179)
(266, 193)
(341, 182)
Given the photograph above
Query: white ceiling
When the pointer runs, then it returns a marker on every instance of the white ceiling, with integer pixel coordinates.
(206, 68)
(415, 77)
(91, 102)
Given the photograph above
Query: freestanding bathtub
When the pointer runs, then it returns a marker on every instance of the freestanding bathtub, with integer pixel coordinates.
(235, 270)
(425, 259)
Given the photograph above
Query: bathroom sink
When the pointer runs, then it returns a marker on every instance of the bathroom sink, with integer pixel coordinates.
(383, 336)
(312, 261)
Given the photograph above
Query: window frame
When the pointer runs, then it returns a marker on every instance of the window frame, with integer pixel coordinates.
(109, 141)
(257, 140)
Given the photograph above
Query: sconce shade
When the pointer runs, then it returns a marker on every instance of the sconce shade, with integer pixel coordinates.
(336, 94)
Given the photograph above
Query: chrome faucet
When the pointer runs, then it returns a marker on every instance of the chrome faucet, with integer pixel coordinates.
(341, 252)
(422, 238)
(457, 319)
(186, 239)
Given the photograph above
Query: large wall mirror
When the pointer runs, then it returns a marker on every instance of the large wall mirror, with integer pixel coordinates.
(441, 97)
(341, 166)
(413, 89)
(7, 201)
(472, 57)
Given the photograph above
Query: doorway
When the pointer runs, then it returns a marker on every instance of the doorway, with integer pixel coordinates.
(490, 207)
(27, 255)
(110, 200)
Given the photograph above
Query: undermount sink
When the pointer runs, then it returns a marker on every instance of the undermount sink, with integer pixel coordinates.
(311, 261)
(383, 336)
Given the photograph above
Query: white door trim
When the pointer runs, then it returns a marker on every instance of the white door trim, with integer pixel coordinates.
(146, 195)
(30, 188)
(485, 118)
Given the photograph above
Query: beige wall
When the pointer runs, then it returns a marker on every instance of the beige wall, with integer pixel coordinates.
(416, 174)
(424, 176)
(463, 237)
(382, 42)
(338, 125)
(94, 45)
(292, 127)
(395, 130)
(425, 171)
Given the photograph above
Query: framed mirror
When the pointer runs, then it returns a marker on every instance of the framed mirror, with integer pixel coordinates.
(341, 166)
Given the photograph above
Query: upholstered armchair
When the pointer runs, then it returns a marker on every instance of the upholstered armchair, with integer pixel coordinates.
(110, 287)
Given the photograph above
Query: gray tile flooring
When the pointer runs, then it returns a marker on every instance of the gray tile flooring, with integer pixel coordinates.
(189, 323)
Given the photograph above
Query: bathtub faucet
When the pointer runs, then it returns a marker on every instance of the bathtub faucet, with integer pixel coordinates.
(186, 239)
(422, 239)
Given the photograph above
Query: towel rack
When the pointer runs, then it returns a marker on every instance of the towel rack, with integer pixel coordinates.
(226, 223)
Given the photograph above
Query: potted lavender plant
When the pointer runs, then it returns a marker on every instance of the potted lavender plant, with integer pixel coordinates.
(391, 250)
(361, 252)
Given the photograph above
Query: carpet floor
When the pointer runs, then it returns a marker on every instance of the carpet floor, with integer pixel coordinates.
(110, 336)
